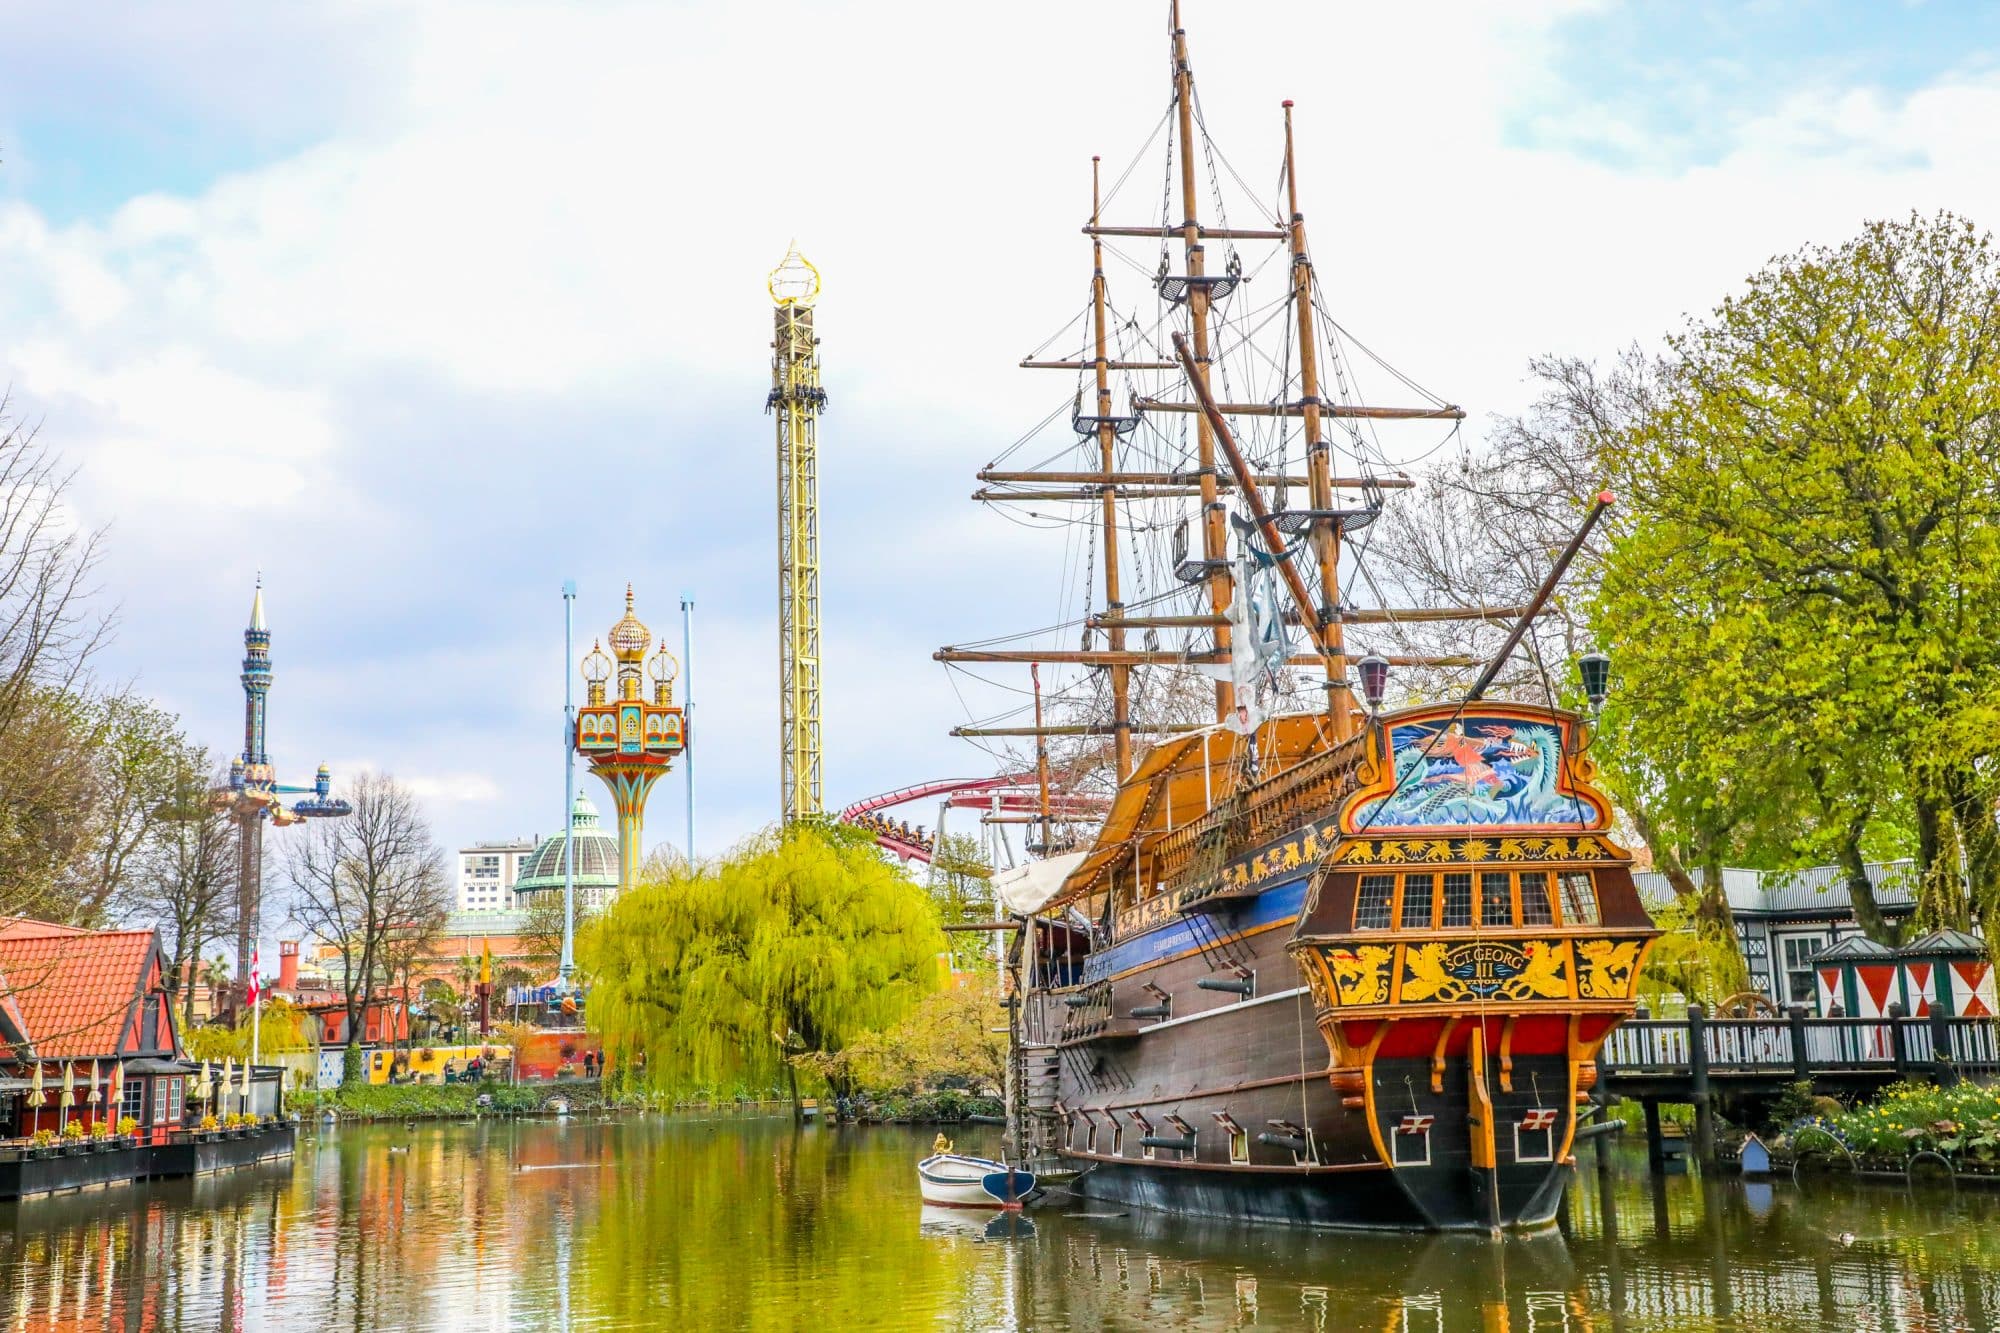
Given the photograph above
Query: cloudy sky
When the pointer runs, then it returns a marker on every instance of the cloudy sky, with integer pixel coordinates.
(422, 308)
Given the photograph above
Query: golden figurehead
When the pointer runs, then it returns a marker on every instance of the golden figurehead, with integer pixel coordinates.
(628, 739)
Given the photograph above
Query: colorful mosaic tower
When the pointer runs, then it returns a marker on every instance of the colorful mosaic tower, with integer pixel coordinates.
(630, 741)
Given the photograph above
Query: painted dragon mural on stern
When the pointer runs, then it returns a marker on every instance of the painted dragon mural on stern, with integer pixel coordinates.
(1476, 770)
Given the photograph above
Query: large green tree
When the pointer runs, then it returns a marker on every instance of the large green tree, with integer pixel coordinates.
(793, 945)
(1808, 598)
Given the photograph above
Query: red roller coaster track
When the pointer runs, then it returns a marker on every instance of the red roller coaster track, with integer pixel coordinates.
(1015, 793)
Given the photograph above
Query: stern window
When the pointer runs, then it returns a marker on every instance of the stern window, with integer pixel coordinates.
(1371, 906)
(1579, 898)
(1536, 909)
(1496, 899)
(1457, 901)
(1416, 902)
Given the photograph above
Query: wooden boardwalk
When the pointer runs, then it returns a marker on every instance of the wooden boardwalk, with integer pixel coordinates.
(1740, 1063)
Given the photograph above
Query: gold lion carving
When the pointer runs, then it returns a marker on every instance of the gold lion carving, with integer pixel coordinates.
(1604, 968)
(1361, 973)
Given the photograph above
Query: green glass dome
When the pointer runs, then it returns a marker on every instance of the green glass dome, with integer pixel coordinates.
(596, 858)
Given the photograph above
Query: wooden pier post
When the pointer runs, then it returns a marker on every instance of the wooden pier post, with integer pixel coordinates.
(1899, 1050)
(1704, 1103)
(1795, 1016)
(1656, 1151)
(1942, 1065)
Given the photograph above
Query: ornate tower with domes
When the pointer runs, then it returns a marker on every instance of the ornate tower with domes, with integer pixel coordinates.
(629, 740)
(254, 795)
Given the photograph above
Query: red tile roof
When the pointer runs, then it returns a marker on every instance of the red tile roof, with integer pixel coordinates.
(22, 927)
(74, 989)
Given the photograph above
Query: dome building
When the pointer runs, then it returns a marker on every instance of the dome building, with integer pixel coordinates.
(596, 862)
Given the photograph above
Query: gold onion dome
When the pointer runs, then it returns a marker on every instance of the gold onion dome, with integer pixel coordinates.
(794, 281)
(629, 637)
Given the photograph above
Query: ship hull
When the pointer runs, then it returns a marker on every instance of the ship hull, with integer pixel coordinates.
(1383, 1199)
(1255, 1068)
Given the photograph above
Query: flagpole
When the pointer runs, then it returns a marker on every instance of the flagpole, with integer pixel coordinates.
(687, 709)
(256, 1015)
(568, 827)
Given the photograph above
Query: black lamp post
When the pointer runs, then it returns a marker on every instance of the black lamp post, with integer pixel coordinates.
(1595, 668)
(1374, 680)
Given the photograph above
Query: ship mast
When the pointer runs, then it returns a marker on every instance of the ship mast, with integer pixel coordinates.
(1213, 531)
(1325, 525)
(1107, 439)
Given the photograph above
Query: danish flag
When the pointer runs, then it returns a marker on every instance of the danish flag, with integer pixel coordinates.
(255, 992)
(1542, 1117)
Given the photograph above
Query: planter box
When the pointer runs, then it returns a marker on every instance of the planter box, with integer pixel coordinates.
(69, 1171)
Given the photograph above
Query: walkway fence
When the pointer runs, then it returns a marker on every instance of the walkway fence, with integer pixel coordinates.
(1803, 1047)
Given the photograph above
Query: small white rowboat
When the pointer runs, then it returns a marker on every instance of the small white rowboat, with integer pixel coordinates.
(953, 1180)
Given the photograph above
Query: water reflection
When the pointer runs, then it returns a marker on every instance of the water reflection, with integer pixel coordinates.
(726, 1224)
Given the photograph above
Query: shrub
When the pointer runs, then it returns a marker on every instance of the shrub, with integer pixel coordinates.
(73, 1131)
(127, 1125)
(42, 1138)
(210, 1123)
(100, 1129)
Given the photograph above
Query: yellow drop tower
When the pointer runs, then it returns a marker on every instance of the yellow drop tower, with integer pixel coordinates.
(795, 401)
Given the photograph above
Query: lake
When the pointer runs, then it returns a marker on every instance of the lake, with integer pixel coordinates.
(727, 1223)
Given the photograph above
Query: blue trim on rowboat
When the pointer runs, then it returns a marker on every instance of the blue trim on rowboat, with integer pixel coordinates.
(996, 1184)
(1274, 904)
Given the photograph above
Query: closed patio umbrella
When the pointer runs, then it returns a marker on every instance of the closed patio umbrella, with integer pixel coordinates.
(200, 1092)
(36, 1097)
(118, 1085)
(69, 1083)
(246, 1087)
(228, 1077)
(92, 1098)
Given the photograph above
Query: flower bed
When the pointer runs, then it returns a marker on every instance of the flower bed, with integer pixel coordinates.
(1960, 1124)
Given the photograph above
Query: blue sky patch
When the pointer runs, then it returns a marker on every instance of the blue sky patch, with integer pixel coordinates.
(1665, 85)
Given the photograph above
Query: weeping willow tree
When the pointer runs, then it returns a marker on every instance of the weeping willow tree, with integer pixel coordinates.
(795, 944)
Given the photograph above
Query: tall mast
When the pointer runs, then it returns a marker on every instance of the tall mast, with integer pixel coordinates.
(1041, 758)
(1213, 532)
(1107, 439)
(1319, 472)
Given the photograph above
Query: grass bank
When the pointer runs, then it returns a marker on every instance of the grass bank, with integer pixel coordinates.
(458, 1101)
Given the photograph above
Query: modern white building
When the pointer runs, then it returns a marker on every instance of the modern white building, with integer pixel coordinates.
(487, 871)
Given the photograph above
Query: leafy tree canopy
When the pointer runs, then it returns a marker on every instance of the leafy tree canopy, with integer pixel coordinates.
(1806, 592)
(796, 943)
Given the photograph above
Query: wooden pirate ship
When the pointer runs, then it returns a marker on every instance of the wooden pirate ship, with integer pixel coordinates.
(1322, 963)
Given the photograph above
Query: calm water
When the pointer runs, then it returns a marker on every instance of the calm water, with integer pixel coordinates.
(745, 1224)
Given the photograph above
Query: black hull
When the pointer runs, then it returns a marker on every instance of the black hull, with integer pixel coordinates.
(1441, 1199)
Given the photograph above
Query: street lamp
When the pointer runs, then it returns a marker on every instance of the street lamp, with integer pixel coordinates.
(1595, 668)
(1374, 670)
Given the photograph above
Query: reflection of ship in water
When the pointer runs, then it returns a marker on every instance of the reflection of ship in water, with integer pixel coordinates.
(1171, 1271)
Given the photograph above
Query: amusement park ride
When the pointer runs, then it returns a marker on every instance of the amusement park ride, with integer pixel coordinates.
(254, 794)
(795, 401)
